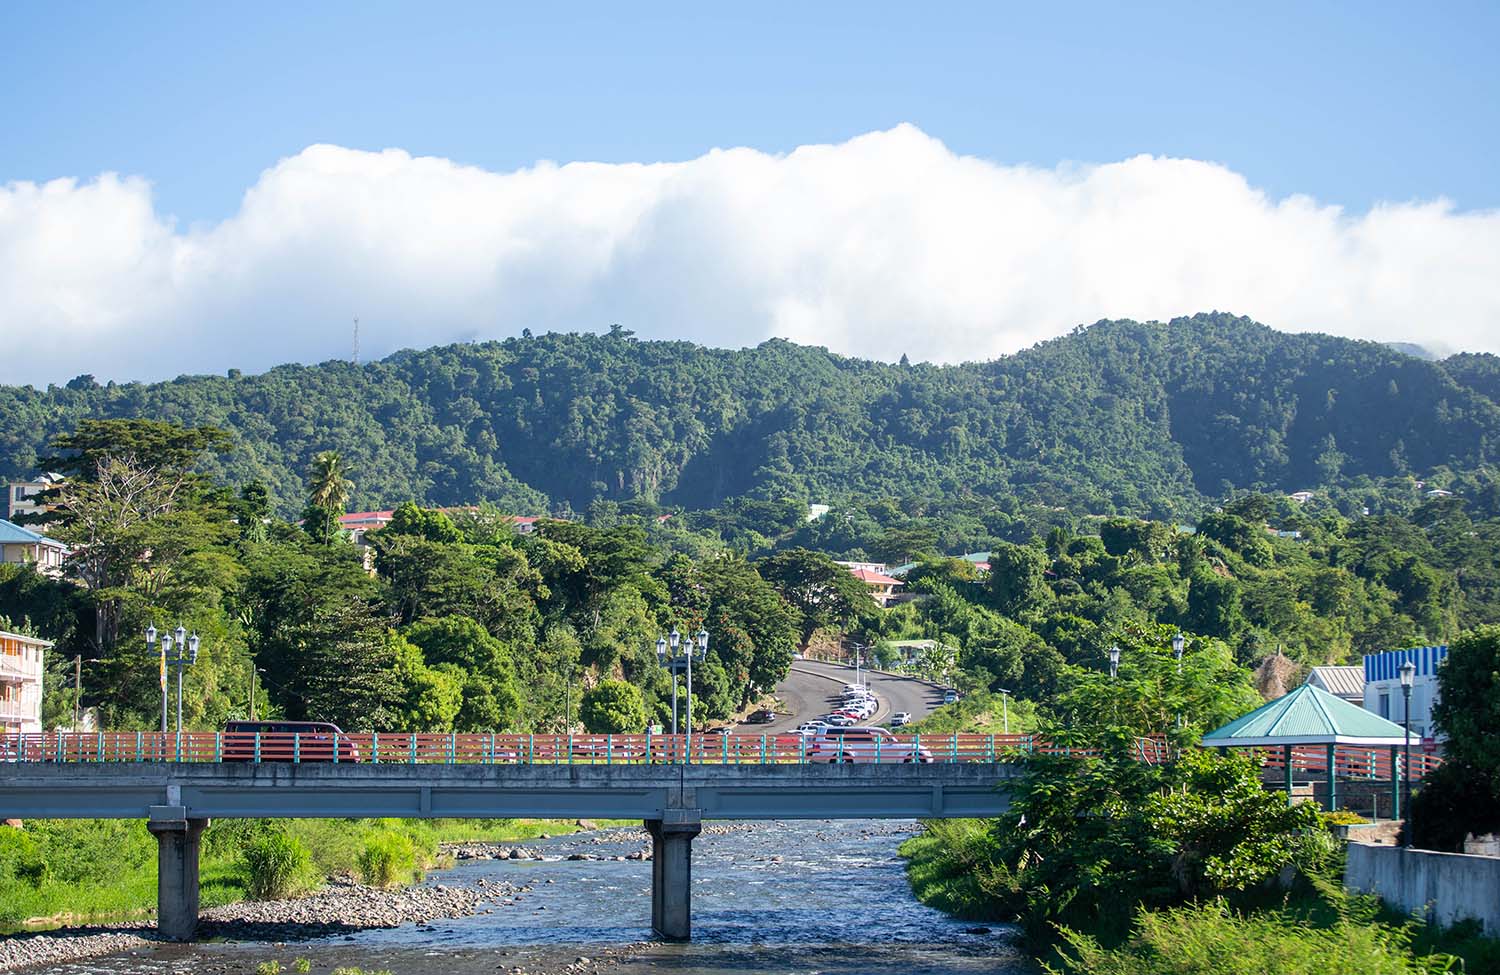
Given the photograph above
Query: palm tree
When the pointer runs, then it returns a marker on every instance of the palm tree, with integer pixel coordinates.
(327, 482)
(329, 486)
(328, 492)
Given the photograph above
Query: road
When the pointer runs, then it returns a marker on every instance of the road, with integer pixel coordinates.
(813, 688)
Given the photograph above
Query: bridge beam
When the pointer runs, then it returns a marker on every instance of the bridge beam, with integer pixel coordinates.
(177, 845)
(672, 872)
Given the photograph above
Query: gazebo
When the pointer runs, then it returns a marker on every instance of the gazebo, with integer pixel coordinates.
(1312, 716)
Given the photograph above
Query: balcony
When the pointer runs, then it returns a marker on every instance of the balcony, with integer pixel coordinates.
(17, 709)
(13, 667)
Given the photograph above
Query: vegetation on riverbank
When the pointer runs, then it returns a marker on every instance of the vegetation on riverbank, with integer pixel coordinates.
(68, 871)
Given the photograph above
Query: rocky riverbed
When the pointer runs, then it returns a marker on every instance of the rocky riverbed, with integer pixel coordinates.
(340, 908)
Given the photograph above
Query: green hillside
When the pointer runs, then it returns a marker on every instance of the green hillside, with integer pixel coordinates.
(1149, 419)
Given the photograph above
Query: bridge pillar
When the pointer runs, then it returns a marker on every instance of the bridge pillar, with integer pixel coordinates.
(177, 840)
(672, 872)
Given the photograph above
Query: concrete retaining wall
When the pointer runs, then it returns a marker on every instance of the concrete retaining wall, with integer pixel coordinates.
(1448, 886)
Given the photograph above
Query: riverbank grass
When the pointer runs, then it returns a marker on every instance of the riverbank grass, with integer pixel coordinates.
(59, 872)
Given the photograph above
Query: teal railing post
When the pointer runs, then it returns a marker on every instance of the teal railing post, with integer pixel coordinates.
(1286, 772)
(179, 747)
(412, 739)
(531, 749)
(650, 759)
(878, 740)
(98, 746)
(953, 749)
(296, 748)
(763, 749)
(139, 741)
(990, 752)
(570, 748)
(916, 745)
(218, 747)
(257, 748)
(1395, 782)
(375, 749)
(609, 749)
(801, 749)
(841, 749)
(336, 744)
(452, 747)
(1333, 779)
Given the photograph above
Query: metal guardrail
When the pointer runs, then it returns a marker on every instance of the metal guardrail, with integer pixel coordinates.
(511, 749)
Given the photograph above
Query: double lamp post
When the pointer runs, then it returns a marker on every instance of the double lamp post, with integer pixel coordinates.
(674, 661)
(186, 654)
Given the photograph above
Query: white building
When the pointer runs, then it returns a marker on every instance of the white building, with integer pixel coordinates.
(20, 496)
(1383, 694)
(21, 683)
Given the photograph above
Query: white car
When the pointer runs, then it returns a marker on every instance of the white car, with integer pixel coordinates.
(807, 728)
(863, 744)
(839, 721)
(900, 719)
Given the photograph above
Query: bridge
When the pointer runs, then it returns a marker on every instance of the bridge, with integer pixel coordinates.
(179, 783)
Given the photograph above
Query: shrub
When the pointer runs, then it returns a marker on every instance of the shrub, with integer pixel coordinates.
(278, 865)
(268, 968)
(1343, 817)
(301, 966)
(21, 858)
(387, 859)
(1211, 939)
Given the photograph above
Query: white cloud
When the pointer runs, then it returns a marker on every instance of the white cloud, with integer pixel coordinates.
(886, 244)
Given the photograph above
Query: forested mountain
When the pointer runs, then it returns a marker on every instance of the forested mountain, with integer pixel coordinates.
(1146, 419)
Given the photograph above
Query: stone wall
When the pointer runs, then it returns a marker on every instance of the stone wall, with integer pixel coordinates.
(1448, 886)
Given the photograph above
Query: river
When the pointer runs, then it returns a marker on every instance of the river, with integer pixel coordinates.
(792, 898)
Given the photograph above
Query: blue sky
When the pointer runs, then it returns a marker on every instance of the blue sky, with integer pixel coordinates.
(1350, 102)
(951, 181)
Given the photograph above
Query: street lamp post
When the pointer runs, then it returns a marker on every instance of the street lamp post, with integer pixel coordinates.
(1114, 661)
(1179, 643)
(1408, 676)
(661, 657)
(1005, 707)
(696, 647)
(186, 655)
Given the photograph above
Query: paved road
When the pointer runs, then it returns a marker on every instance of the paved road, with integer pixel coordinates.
(813, 687)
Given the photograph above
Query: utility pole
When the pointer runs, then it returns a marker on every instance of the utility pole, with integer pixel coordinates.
(253, 671)
(77, 690)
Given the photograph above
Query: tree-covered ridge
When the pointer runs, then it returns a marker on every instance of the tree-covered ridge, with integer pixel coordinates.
(1146, 419)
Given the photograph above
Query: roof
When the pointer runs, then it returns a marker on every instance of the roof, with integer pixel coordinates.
(1345, 681)
(1387, 666)
(1307, 716)
(23, 638)
(874, 578)
(366, 517)
(13, 534)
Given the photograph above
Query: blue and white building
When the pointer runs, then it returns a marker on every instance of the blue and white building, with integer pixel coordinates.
(1383, 693)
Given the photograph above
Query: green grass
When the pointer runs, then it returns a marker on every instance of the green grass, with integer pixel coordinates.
(944, 865)
(70, 871)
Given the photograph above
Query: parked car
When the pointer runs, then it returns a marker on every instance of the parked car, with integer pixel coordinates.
(763, 716)
(840, 720)
(812, 727)
(864, 744)
(950, 696)
(287, 741)
(900, 719)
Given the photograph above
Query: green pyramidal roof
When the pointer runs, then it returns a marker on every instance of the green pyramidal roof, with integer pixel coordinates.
(1307, 716)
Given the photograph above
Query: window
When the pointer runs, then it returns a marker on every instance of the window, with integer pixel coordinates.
(1385, 706)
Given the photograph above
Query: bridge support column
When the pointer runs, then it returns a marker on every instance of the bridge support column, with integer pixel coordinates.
(672, 872)
(177, 839)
